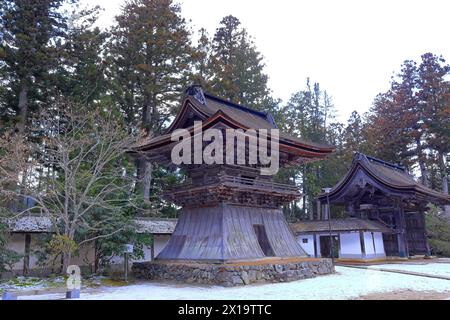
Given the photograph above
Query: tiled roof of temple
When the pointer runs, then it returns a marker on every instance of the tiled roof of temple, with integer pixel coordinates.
(390, 176)
(203, 106)
(347, 224)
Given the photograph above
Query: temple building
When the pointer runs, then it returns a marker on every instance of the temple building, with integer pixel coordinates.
(231, 211)
(353, 239)
(382, 199)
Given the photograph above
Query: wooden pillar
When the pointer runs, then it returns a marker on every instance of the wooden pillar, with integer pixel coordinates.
(315, 245)
(26, 257)
(373, 242)
(363, 246)
(326, 212)
(339, 244)
(401, 232)
(425, 234)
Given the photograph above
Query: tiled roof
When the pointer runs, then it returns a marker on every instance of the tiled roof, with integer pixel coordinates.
(35, 224)
(345, 224)
(389, 175)
(210, 105)
(156, 225)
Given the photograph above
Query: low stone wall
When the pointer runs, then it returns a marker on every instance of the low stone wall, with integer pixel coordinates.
(233, 274)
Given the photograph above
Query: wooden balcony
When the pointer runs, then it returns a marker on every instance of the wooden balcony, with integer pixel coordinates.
(239, 183)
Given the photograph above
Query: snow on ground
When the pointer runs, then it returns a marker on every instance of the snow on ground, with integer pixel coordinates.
(440, 269)
(347, 283)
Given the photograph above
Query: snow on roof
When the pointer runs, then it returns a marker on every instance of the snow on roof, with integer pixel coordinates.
(26, 224)
(156, 225)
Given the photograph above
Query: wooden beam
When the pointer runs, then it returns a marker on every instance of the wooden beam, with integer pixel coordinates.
(315, 245)
(361, 241)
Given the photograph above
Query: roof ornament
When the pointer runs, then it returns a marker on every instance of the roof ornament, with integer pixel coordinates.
(358, 156)
(196, 91)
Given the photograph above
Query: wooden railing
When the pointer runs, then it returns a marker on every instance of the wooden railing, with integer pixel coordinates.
(259, 183)
(241, 182)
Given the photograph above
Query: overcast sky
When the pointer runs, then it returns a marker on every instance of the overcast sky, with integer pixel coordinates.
(351, 48)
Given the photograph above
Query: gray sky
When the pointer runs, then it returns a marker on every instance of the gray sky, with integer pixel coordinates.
(351, 48)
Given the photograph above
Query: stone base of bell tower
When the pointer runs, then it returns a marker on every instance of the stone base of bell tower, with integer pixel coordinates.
(267, 270)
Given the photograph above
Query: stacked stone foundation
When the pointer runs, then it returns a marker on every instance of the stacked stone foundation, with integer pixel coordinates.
(235, 274)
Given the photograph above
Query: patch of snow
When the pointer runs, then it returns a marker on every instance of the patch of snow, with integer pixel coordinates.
(347, 283)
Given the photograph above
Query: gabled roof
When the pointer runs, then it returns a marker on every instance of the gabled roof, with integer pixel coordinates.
(211, 110)
(390, 177)
(207, 105)
(347, 224)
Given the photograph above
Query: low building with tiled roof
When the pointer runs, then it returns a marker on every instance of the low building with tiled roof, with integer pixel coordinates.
(353, 239)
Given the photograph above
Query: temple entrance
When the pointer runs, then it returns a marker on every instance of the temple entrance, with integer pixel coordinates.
(263, 241)
(325, 245)
(390, 242)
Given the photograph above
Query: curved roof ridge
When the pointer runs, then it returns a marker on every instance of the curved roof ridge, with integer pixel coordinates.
(362, 156)
(237, 106)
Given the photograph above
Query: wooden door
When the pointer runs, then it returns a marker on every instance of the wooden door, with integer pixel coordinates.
(263, 241)
(325, 246)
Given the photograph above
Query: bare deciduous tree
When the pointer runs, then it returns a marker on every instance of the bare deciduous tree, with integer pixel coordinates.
(73, 165)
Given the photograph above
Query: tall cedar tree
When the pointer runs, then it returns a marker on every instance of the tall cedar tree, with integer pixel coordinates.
(80, 74)
(30, 35)
(150, 53)
(236, 67)
(434, 101)
(410, 123)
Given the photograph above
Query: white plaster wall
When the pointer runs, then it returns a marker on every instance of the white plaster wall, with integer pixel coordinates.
(86, 255)
(318, 245)
(309, 246)
(35, 245)
(379, 245)
(160, 243)
(350, 243)
(16, 242)
(368, 243)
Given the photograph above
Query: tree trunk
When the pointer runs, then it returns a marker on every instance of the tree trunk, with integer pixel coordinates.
(444, 175)
(67, 257)
(147, 181)
(23, 107)
(144, 176)
(423, 169)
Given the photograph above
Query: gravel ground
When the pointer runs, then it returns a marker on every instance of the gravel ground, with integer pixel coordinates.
(441, 269)
(347, 283)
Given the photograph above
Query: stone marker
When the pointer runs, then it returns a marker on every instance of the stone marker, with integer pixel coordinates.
(9, 296)
(73, 294)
